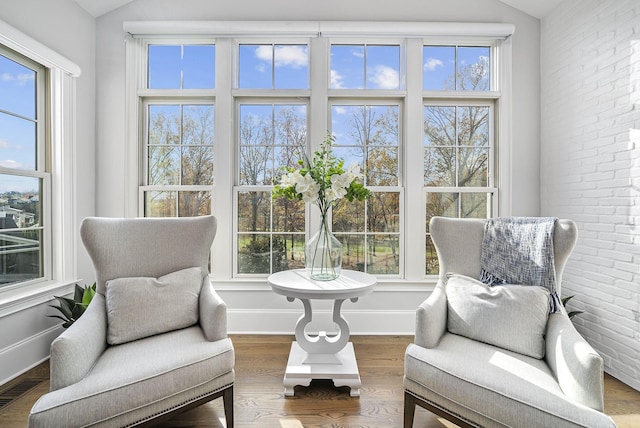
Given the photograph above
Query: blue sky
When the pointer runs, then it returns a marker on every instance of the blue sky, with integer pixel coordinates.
(283, 66)
(17, 129)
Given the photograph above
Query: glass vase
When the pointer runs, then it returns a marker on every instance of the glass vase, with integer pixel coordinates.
(323, 253)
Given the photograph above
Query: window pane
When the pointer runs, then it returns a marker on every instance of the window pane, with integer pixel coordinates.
(440, 166)
(164, 67)
(365, 67)
(456, 68)
(181, 67)
(164, 124)
(161, 204)
(255, 69)
(180, 149)
(17, 88)
(164, 135)
(291, 67)
(442, 204)
(17, 142)
(383, 67)
(254, 253)
(353, 254)
(371, 132)
(473, 69)
(20, 229)
(383, 257)
(475, 205)
(473, 126)
(473, 167)
(456, 146)
(164, 165)
(273, 67)
(254, 211)
(288, 216)
(271, 137)
(383, 212)
(438, 68)
(432, 266)
(347, 67)
(198, 67)
(192, 204)
(348, 216)
(288, 252)
(197, 135)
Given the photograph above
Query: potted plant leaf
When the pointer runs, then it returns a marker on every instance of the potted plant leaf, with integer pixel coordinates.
(71, 309)
(571, 314)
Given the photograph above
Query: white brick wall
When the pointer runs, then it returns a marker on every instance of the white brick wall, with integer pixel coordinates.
(590, 167)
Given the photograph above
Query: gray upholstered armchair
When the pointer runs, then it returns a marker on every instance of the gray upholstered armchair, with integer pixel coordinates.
(153, 341)
(474, 383)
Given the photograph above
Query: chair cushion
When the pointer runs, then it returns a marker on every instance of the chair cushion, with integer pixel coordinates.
(139, 307)
(140, 379)
(513, 317)
(493, 387)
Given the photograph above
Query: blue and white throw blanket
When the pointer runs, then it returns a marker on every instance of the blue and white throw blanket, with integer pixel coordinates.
(519, 250)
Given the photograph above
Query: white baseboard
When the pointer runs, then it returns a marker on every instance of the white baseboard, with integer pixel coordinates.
(26, 354)
(280, 321)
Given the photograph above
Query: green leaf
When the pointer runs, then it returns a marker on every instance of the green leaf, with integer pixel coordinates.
(574, 313)
(87, 296)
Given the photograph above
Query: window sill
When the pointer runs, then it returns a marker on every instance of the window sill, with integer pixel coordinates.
(261, 284)
(19, 298)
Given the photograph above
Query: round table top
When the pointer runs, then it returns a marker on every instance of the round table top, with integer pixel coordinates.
(296, 283)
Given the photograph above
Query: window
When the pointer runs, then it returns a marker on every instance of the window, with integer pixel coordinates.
(419, 118)
(24, 178)
(458, 135)
(178, 149)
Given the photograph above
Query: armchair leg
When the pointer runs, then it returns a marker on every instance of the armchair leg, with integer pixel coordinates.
(227, 399)
(409, 409)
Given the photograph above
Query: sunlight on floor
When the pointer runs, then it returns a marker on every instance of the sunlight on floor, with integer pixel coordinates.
(291, 423)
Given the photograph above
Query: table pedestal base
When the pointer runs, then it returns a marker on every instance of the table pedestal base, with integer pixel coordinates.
(341, 367)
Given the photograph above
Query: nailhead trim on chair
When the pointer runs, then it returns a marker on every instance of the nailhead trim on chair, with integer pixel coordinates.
(447, 411)
(177, 406)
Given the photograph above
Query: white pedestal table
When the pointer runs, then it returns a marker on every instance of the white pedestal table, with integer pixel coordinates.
(322, 356)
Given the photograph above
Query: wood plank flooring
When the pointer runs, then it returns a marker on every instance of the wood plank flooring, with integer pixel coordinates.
(260, 401)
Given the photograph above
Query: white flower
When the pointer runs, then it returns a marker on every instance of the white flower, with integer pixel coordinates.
(304, 183)
(334, 193)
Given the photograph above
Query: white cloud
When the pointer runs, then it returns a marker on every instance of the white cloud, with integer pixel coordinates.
(4, 144)
(292, 56)
(336, 80)
(385, 77)
(20, 79)
(432, 64)
(263, 53)
(340, 110)
(23, 79)
(8, 163)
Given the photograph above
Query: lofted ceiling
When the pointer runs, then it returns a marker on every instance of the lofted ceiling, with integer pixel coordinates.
(536, 8)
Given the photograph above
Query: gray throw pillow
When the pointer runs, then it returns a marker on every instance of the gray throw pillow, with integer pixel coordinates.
(513, 317)
(139, 307)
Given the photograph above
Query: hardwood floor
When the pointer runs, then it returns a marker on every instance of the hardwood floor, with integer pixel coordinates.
(260, 401)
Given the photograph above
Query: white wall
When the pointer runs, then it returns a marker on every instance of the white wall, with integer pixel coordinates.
(590, 167)
(66, 28)
(254, 308)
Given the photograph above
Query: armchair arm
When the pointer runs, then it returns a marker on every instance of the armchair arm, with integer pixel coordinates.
(431, 318)
(76, 350)
(213, 313)
(576, 365)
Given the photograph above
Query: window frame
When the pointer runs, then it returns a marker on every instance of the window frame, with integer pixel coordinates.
(41, 171)
(58, 206)
(320, 35)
